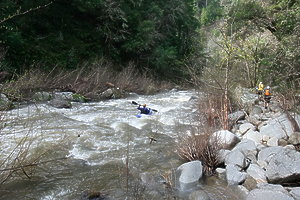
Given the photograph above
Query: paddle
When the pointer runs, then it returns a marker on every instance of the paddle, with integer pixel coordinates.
(135, 103)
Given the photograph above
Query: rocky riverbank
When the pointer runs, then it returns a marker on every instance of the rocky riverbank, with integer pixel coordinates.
(61, 99)
(265, 159)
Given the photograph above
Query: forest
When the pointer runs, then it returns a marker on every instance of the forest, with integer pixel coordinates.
(173, 39)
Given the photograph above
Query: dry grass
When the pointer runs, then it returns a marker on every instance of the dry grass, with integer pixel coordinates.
(88, 80)
(201, 147)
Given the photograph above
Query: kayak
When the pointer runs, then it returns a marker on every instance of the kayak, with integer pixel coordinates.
(140, 115)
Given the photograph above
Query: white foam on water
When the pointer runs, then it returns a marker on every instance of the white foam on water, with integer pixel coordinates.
(104, 128)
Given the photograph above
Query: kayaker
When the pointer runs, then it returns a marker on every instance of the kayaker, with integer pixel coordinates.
(144, 109)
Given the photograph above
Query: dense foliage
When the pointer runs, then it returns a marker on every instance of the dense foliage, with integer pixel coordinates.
(157, 35)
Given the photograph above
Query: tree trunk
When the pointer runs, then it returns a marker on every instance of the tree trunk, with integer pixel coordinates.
(225, 104)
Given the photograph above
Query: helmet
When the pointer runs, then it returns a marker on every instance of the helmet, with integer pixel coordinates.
(268, 87)
(260, 82)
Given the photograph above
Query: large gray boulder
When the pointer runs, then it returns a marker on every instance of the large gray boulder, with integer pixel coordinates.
(295, 192)
(189, 173)
(112, 93)
(226, 138)
(257, 173)
(60, 103)
(284, 167)
(264, 194)
(244, 128)
(279, 127)
(254, 136)
(247, 147)
(234, 176)
(234, 117)
(222, 155)
(236, 158)
(63, 95)
(266, 154)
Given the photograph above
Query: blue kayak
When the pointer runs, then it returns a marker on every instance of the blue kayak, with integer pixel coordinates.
(140, 115)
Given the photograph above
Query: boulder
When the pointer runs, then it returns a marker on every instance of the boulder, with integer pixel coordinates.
(235, 158)
(256, 110)
(234, 176)
(244, 128)
(266, 154)
(112, 93)
(63, 95)
(222, 155)
(282, 142)
(295, 192)
(272, 187)
(294, 139)
(254, 119)
(250, 183)
(257, 173)
(189, 173)
(247, 147)
(60, 103)
(279, 127)
(234, 117)
(226, 138)
(264, 194)
(254, 136)
(284, 167)
(42, 96)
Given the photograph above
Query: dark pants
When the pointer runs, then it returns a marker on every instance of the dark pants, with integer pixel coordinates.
(267, 99)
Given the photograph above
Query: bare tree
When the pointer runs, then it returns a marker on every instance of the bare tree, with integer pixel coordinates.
(18, 12)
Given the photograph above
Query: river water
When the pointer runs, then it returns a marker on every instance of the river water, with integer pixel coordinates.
(99, 146)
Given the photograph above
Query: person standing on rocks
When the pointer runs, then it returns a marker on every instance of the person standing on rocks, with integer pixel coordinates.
(260, 90)
(267, 96)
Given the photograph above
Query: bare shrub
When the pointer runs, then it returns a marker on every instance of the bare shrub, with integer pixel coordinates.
(211, 110)
(169, 183)
(26, 155)
(89, 79)
(201, 147)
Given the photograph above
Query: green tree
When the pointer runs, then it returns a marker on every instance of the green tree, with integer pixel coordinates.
(156, 35)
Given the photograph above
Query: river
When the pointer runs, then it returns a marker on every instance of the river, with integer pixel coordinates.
(88, 148)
